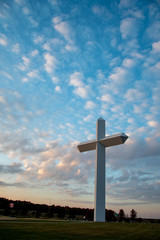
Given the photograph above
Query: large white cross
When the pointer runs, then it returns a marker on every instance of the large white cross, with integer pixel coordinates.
(99, 144)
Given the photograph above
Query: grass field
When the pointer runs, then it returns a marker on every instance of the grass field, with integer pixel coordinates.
(23, 230)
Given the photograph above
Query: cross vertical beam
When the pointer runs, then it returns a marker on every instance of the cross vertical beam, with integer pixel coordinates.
(99, 194)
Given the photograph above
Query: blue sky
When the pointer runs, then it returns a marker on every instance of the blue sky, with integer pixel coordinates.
(64, 64)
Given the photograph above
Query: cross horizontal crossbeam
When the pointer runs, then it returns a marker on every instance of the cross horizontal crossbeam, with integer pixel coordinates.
(108, 141)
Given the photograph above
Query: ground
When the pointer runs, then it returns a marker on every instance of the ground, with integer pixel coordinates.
(24, 229)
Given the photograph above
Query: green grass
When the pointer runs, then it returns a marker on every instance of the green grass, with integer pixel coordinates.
(24, 230)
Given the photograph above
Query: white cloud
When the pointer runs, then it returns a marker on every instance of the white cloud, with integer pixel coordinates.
(34, 53)
(33, 74)
(57, 20)
(134, 95)
(38, 39)
(25, 79)
(24, 65)
(34, 23)
(129, 28)
(90, 105)
(88, 118)
(117, 109)
(55, 80)
(140, 108)
(26, 10)
(126, 4)
(117, 81)
(76, 80)
(58, 89)
(107, 98)
(2, 100)
(46, 46)
(71, 48)
(3, 40)
(156, 47)
(153, 31)
(119, 75)
(136, 13)
(16, 48)
(128, 63)
(154, 124)
(51, 62)
(101, 11)
(81, 91)
(20, 2)
(7, 75)
(63, 28)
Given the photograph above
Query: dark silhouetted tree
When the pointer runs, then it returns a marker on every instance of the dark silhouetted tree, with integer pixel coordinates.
(133, 214)
(110, 215)
(89, 215)
(121, 215)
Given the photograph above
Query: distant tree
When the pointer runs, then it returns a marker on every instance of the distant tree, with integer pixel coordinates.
(89, 215)
(133, 214)
(121, 215)
(110, 215)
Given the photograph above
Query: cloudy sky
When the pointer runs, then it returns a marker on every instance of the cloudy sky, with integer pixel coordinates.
(64, 64)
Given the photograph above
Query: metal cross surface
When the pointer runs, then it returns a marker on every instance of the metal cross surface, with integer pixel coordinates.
(99, 144)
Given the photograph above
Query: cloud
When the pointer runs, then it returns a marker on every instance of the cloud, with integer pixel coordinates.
(126, 4)
(2, 100)
(153, 31)
(13, 168)
(34, 53)
(38, 39)
(16, 48)
(3, 40)
(81, 92)
(34, 23)
(4, 10)
(116, 82)
(26, 10)
(54, 164)
(71, 48)
(129, 28)
(58, 89)
(88, 118)
(107, 98)
(90, 105)
(63, 28)
(128, 63)
(154, 124)
(76, 80)
(140, 108)
(53, 2)
(139, 186)
(32, 74)
(119, 75)
(136, 150)
(20, 2)
(7, 75)
(134, 95)
(156, 47)
(24, 65)
(51, 62)
(55, 80)
(102, 12)
(47, 47)
(25, 79)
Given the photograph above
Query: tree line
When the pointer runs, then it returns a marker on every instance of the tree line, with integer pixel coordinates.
(27, 209)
